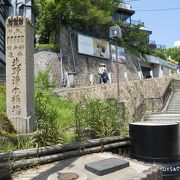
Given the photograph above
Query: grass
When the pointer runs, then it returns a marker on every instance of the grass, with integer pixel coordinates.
(2, 99)
(56, 120)
(65, 119)
(65, 110)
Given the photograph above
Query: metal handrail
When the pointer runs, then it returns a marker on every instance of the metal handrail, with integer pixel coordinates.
(164, 97)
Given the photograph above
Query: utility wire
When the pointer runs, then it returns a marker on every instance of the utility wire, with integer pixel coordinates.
(168, 9)
(130, 1)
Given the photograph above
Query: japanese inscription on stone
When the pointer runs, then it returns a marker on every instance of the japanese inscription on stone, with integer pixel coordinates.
(19, 72)
(15, 47)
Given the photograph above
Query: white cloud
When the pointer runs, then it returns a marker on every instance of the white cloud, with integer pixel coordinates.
(177, 43)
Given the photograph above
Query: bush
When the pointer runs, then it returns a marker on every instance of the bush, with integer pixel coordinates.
(49, 131)
(97, 118)
(160, 53)
(2, 99)
(42, 80)
(47, 47)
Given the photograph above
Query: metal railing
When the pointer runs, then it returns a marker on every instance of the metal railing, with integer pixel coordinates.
(156, 104)
(159, 46)
(136, 23)
(152, 42)
(156, 46)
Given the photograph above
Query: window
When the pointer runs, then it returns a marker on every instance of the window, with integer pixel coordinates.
(2, 38)
(21, 10)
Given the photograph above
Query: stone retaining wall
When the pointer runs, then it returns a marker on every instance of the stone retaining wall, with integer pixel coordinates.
(47, 60)
(82, 66)
(132, 93)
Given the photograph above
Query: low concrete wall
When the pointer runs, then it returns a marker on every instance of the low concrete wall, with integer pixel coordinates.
(132, 93)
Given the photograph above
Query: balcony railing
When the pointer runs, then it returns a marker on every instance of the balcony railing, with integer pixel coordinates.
(159, 46)
(152, 42)
(125, 6)
(156, 46)
(134, 22)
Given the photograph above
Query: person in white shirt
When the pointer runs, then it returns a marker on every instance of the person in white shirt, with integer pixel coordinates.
(103, 77)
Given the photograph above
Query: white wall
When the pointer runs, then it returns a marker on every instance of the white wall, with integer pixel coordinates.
(165, 71)
(156, 70)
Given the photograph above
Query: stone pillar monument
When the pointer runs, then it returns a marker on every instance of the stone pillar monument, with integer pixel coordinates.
(20, 73)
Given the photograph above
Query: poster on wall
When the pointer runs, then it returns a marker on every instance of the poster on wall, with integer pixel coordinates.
(93, 47)
(121, 56)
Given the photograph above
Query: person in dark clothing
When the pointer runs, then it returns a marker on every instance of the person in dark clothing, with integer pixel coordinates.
(104, 77)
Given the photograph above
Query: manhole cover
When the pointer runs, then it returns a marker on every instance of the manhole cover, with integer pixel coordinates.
(67, 176)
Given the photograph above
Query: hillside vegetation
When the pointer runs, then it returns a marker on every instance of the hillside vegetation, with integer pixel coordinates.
(59, 120)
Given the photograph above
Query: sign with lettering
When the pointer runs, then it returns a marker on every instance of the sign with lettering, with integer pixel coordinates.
(19, 73)
(93, 47)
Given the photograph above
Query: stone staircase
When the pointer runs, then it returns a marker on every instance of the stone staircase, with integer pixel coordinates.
(174, 104)
(172, 111)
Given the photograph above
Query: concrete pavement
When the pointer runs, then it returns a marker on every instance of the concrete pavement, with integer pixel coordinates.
(76, 165)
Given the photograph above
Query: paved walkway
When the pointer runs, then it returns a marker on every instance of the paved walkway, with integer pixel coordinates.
(76, 164)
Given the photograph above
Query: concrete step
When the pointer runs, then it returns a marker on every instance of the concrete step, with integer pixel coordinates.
(165, 116)
(173, 109)
(156, 120)
(172, 112)
(174, 100)
(175, 97)
(170, 120)
(164, 120)
(174, 103)
(174, 106)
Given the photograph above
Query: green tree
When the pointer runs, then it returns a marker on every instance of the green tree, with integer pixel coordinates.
(133, 38)
(47, 20)
(89, 17)
(160, 53)
(174, 53)
(79, 14)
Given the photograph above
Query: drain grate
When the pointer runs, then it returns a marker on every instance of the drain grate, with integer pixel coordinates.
(67, 176)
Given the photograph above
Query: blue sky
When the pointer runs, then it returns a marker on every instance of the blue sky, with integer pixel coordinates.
(165, 25)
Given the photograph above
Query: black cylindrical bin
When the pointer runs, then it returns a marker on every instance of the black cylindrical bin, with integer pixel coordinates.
(154, 141)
